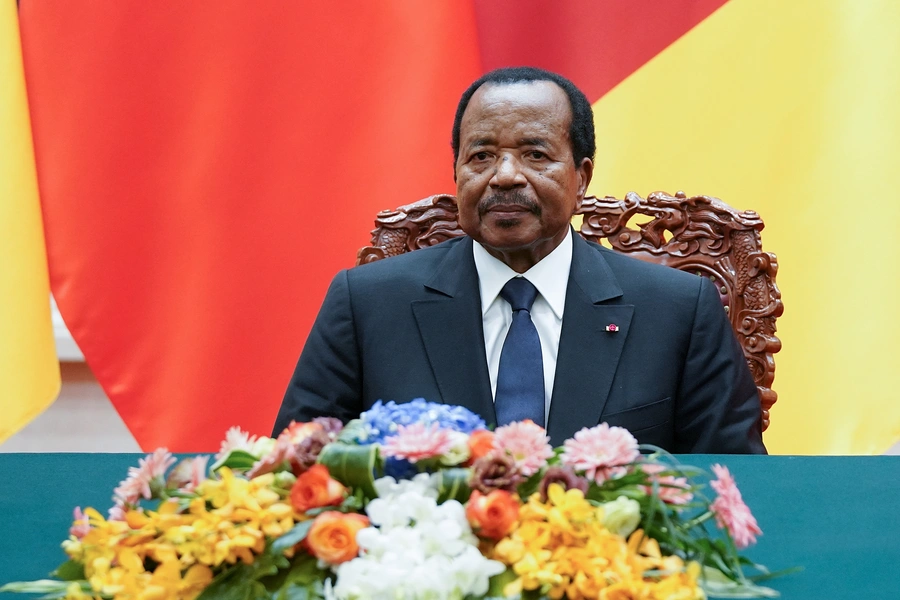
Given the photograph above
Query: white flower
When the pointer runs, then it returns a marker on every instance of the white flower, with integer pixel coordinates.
(442, 537)
(459, 449)
(622, 515)
(262, 446)
(417, 549)
(423, 483)
(472, 571)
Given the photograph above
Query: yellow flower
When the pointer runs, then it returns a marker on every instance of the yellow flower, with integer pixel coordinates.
(509, 550)
(167, 582)
(74, 592)
(624, 590)
(570, 504)
(563, 549)
(196, 579)
(536, 571)
(228, 521)
(534, 534)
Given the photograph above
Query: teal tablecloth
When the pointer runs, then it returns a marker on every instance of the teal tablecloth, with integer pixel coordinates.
(838, 517)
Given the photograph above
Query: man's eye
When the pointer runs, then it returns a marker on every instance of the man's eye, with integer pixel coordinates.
(536, 154)
(481, 156)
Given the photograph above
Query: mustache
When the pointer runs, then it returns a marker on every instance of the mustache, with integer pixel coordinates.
(513, 198)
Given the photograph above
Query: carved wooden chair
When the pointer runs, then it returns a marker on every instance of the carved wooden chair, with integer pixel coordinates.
(700, 235)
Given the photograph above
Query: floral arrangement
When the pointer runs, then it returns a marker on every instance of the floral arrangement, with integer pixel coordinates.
(414, 500)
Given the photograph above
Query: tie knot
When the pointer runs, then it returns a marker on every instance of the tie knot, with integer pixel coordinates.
(520, 293)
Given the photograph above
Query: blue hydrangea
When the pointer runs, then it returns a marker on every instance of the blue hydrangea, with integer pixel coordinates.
(382, 420)
(399, 468)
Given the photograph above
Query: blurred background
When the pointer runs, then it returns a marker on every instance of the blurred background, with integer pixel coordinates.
(186, 179)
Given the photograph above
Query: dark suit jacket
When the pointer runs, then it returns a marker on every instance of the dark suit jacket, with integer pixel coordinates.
(410, 327)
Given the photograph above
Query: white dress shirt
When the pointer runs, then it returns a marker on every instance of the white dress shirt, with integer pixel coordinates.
(550, 276)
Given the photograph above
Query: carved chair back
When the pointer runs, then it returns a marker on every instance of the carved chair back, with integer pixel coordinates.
(700, 235)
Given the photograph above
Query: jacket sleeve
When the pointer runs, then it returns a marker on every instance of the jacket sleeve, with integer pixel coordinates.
(719, 409)
(327, 378)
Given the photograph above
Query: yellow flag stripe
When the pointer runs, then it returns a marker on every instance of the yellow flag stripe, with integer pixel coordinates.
(791, 109)
(29, 371)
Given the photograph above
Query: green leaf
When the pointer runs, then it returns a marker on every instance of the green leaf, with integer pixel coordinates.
(718, 585)
(34, 587)
(304, 581)
(352, 432)
(235, 583)
(352, 465)
(355, 502)
(305, 570)
(49, 587)
(293, 537)
(453, 484)
(500, 581)
(532, 595)
(531, 485)
(293, 591)
(69, 571)
(269, 562)
(780, 573)
(713, 553)
(225, 584)
(242, 582)
(239, 460)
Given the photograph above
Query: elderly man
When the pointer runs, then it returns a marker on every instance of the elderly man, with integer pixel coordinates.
(522, 318)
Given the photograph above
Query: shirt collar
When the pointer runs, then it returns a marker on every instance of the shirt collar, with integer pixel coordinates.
(550, 276)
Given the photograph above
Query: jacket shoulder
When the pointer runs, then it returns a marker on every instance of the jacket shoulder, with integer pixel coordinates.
(642, 278)
(410, 266)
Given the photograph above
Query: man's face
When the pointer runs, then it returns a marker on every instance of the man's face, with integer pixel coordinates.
(517, 185)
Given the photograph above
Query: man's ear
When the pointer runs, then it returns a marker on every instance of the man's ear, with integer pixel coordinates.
(585, 172)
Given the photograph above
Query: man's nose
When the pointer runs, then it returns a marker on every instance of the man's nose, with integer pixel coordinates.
(507, 173)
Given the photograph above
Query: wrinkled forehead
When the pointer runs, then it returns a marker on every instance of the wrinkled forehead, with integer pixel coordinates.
(540, 100)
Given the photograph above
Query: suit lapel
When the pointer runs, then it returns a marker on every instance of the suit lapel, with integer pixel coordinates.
(450, 325)
(588, 353)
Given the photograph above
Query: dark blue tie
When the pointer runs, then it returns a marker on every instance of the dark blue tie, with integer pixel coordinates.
(520, 379)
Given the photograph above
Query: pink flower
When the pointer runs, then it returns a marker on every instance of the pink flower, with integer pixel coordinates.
(80, 525)
(285, 446)
(600, 451)
(730, 511)
(235, 439)
(672, 490)
(418, 441)
(297, 432)
(188, 474)
(137, 484)
(117, 512)
(527, 443)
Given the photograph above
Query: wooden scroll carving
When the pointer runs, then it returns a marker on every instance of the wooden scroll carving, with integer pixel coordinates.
(700, 235)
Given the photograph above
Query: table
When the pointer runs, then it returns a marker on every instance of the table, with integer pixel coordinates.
(838, 517)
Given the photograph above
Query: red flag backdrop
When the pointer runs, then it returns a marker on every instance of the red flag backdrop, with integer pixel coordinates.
(206, 167)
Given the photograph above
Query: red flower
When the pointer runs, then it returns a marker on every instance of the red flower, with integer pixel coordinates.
(315, 488)
(481, 442)
(494, 515)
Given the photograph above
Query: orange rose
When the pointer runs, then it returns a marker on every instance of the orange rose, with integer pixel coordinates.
(480, 443)
(494, 515)
(332, 537)
(315, 489)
